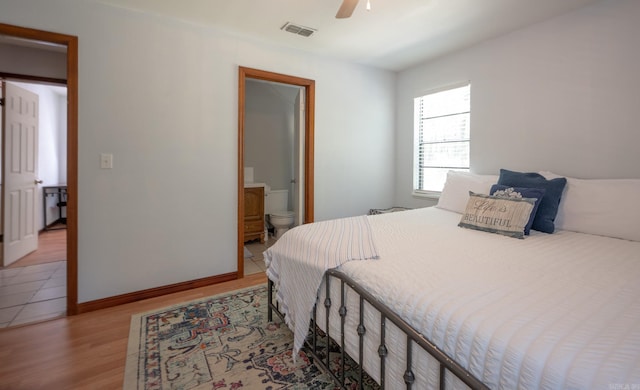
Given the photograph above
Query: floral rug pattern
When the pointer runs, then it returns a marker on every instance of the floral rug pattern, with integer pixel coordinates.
(221, 342)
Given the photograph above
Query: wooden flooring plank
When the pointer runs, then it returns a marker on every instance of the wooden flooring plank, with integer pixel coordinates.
(52, 246)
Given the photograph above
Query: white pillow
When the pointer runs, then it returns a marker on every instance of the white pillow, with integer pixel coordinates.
(605, 207)
(455, 194)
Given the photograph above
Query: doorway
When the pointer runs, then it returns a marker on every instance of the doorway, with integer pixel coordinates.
(34, 38)
(308, 87)
(34, 241)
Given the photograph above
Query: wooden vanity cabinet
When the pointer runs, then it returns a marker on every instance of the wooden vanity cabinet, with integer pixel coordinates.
(254, 213)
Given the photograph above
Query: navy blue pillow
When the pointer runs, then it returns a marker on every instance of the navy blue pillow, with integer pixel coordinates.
(548, 207)
(536, 193)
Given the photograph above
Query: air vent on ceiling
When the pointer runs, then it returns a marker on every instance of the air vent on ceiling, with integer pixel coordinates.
(297, 29)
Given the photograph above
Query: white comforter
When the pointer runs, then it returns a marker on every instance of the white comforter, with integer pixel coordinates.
(558, 311)
(323, 245)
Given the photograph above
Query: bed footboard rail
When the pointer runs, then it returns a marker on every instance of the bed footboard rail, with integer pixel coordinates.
(413, 338)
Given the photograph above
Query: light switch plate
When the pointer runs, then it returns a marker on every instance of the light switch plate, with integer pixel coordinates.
(106, 160)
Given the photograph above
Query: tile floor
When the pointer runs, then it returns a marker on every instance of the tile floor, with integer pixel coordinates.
(32, 293)
(255, 264)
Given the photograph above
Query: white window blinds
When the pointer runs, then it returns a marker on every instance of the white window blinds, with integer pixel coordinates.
(442, 136)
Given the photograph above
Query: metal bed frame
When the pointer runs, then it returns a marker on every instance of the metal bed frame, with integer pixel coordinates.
(412, 337)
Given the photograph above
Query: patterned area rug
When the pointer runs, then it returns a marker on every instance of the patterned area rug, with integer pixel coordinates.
(222, 342)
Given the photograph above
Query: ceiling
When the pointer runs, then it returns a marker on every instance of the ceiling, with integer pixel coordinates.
(394, 34)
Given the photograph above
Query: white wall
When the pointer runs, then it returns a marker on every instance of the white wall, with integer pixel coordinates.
(161, 95)
(29, 61)
(560, 95)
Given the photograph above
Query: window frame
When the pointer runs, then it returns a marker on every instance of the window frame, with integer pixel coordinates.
(416, 142)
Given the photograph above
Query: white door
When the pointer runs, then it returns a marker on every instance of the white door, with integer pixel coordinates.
(298, 158)
(20, 173)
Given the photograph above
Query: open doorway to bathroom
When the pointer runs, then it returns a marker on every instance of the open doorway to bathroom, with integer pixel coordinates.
(295, 178)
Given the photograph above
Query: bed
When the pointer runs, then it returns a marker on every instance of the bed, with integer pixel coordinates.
(556, 311)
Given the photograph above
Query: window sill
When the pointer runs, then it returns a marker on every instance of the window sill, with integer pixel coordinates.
(426, 194)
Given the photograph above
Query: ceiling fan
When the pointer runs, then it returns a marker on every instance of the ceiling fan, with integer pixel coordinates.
(347, 7)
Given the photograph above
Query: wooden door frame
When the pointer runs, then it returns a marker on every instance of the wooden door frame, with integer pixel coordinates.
(309, 87)
(71, 42)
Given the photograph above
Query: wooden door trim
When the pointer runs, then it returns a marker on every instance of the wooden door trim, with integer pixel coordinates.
(309, 87)
(71, 42)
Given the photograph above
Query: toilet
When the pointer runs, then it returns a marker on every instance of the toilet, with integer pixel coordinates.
(275, 206)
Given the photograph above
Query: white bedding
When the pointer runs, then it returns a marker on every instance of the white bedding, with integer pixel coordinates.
(323, 245)
(558, 311)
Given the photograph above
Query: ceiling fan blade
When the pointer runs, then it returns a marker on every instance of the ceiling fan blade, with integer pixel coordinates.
(346, 9)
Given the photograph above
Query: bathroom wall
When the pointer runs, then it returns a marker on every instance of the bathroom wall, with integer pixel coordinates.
(269, 127)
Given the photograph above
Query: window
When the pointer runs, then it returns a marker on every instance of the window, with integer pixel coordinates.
(441, 131)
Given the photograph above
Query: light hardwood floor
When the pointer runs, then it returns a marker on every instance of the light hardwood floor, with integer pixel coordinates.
(86, 351)
(52, 246)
